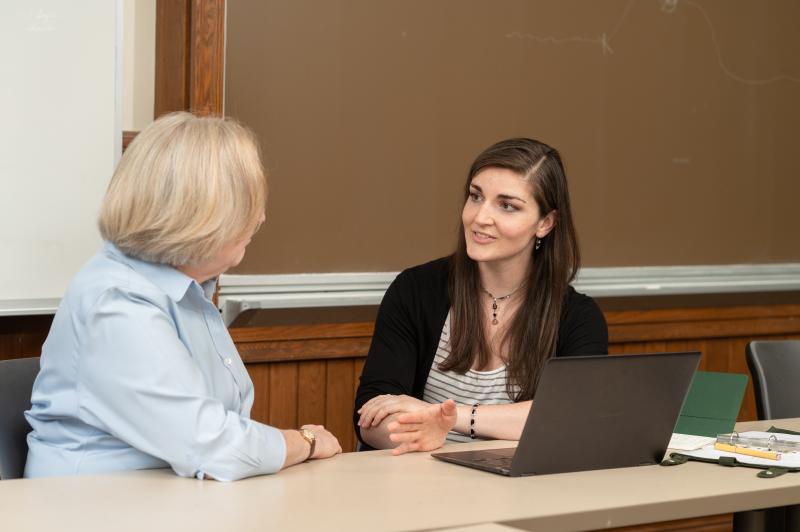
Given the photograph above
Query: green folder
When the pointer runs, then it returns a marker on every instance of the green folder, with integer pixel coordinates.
(713, 403)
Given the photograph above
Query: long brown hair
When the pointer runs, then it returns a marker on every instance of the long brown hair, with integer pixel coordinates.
(533, 333)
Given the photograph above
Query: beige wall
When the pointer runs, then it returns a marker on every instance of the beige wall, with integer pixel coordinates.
(139, 18)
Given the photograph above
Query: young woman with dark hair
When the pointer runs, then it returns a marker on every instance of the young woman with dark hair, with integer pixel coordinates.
(460, 342)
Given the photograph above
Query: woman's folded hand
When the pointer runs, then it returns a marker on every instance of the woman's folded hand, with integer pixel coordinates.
(424, 429)
(376, 409)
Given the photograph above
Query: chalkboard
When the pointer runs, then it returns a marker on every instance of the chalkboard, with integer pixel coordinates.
(678, 121)
(60, 139)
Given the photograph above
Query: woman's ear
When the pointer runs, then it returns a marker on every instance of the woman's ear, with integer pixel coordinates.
(546, 224)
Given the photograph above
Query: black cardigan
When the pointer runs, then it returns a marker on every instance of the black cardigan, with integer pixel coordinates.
(410, 321)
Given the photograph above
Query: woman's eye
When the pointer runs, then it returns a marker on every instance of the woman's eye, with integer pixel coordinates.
(506, 206)
(474, 196)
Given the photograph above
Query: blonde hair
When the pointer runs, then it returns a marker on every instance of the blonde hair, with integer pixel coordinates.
(185, 187)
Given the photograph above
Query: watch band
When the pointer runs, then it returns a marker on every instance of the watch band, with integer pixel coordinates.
(311, 438)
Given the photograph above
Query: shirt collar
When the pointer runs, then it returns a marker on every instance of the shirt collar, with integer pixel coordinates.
(169, 279)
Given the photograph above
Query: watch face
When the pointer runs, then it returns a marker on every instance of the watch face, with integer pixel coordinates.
(311, 438)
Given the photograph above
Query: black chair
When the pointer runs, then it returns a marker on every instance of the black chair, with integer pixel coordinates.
(16, 383)
(775, 367)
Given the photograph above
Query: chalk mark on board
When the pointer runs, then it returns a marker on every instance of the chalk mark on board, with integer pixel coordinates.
(724, 67)
(669, 7)
(604, 40)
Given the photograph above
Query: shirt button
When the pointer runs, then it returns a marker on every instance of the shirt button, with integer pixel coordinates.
(228, 362)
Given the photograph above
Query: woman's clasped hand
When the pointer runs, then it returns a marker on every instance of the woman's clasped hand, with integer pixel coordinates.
(415, 424)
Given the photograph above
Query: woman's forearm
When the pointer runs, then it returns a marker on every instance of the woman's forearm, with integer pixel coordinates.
(498, 422)
(501, 422)
(377, 437)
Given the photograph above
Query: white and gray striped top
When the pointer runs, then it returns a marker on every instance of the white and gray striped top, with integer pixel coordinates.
(484, 387)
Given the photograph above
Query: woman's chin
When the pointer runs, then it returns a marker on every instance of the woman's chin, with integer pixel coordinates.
(478, 255)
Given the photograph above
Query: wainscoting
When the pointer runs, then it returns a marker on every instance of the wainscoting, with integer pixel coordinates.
(308, 373)
(305, 368)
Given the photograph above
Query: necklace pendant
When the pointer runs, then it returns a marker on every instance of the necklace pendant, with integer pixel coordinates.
(494, 321)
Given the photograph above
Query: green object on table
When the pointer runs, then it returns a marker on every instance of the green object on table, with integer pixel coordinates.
(783, 431)
(713, 403)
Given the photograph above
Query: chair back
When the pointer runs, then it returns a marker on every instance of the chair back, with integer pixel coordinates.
(775, 367)
(16, 383)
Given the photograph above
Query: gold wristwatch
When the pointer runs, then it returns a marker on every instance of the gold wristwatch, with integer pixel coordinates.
(311, 438)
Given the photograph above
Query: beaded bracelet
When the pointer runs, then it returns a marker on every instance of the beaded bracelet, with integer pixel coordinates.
(472, 420)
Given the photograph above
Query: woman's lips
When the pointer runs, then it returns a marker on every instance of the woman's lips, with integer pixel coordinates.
(482, 238)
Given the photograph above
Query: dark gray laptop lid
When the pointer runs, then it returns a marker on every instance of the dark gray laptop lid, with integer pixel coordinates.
(603, 412)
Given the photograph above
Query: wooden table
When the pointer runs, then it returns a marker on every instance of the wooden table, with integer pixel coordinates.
(375, 491)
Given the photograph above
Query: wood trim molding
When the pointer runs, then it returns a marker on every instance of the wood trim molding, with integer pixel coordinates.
(291, 343)
(703, 323)
(297, 350)
(190, 56)
(207, 57)
(348, 340)
(694, 314)
(172, 56)
(303, 332)
(127, 138)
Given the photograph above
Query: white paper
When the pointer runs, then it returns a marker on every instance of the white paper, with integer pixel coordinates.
(791, 459)
(689, 442)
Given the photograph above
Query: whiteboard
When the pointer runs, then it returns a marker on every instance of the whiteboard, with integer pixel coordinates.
(60, 140)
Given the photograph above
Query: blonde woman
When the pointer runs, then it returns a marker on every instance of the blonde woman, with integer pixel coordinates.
(138, 370)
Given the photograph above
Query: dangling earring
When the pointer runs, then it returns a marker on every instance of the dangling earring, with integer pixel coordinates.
(538, 244)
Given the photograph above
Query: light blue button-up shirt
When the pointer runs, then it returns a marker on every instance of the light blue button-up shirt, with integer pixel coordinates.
(139, 372)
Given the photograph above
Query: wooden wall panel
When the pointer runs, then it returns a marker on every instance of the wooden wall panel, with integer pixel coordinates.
(341, 397)
(23, 336)
(259, 373)
(283, 397)
(309, 373)
(313, 393)
(329, 357)
(358, 367)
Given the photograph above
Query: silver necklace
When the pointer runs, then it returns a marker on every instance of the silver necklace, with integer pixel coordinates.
(496, 299)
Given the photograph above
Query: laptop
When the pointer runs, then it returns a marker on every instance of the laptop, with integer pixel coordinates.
(595, 412)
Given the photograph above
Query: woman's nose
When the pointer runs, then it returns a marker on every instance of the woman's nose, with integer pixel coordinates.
(484, 215)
